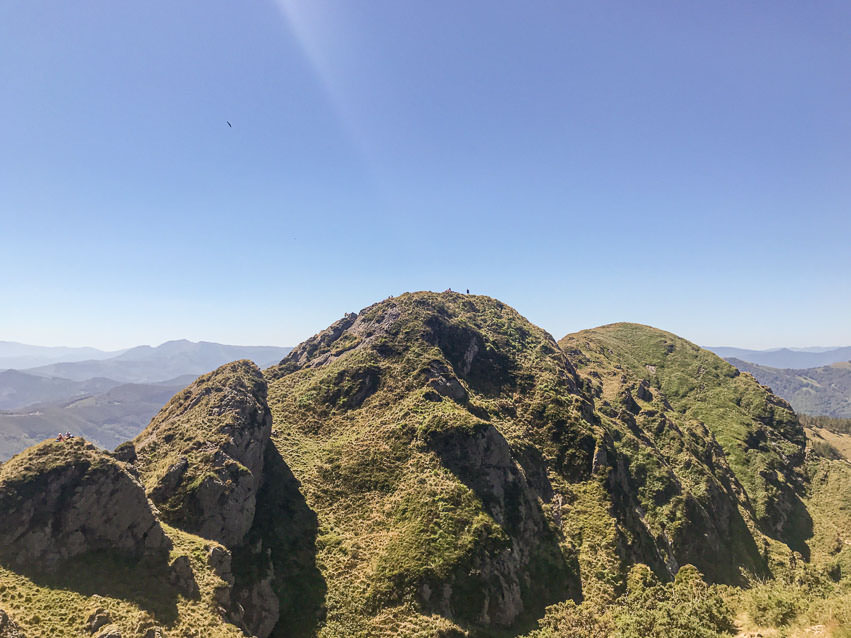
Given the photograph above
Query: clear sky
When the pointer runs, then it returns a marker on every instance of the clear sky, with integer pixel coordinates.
(681, 164)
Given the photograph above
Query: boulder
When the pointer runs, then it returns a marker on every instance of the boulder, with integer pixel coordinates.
(183, 578)
(110, 631)
(97, 619)
(61, 499)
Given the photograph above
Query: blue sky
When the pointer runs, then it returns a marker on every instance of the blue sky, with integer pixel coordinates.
(684, 165)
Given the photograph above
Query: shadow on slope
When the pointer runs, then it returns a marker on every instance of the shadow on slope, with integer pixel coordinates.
(533, 566)
(144, 583)
(285, 530)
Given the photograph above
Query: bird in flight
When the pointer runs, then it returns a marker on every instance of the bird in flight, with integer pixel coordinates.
(229, 124)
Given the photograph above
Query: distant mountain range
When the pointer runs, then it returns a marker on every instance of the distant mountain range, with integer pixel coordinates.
(107, 397)
(786, 357)
(21, 355)
(19, 389)
(145, 364)
(824, 390)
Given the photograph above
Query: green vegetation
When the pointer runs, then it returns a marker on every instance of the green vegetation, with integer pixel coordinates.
(759, 435)
(371, 435)
(686, 607)
(441, 467)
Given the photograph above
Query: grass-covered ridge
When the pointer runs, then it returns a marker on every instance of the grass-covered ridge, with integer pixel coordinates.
(760, 436)
(433, 432)
(426, 432)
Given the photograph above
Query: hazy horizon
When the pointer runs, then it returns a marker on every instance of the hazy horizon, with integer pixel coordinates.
(801, 348)
(248, 173)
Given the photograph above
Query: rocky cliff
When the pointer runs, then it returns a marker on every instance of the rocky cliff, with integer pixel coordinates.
(62, 499)
(202, 461)
(201, 457)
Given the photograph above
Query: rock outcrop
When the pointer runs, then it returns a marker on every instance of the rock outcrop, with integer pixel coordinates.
(202, 462)
(201, 458)
(61, 499)
(482, 459)
(8, 628)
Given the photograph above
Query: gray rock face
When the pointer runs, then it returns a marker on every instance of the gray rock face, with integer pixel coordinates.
(63, 499)
(170, 480)
(182, 577)
(110, 631)
(352, 332)
(97, 619)
(214, 434)
(444, 383)
(505, 580)
(261, 607)
(643, 391)
(9, 629)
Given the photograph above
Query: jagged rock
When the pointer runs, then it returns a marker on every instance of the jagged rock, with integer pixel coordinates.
(110, 631)
(483, 461)
(442, 381)
(8, 628)
(97, 619)
(219, 560)
(352, 332)
(643, 391)
(182, 577)
(126, 453)
(260, 607)
(167, 485)
(210, 438)
(628, 402)
(63, 499)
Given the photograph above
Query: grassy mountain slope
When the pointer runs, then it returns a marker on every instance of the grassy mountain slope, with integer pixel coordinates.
(759, 433)
(436, 465)
(429, 433)
(817, 391)
(433, 432)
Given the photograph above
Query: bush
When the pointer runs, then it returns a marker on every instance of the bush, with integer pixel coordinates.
(773, 605)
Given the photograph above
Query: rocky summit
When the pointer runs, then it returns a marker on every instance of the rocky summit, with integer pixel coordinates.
(436, 465)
